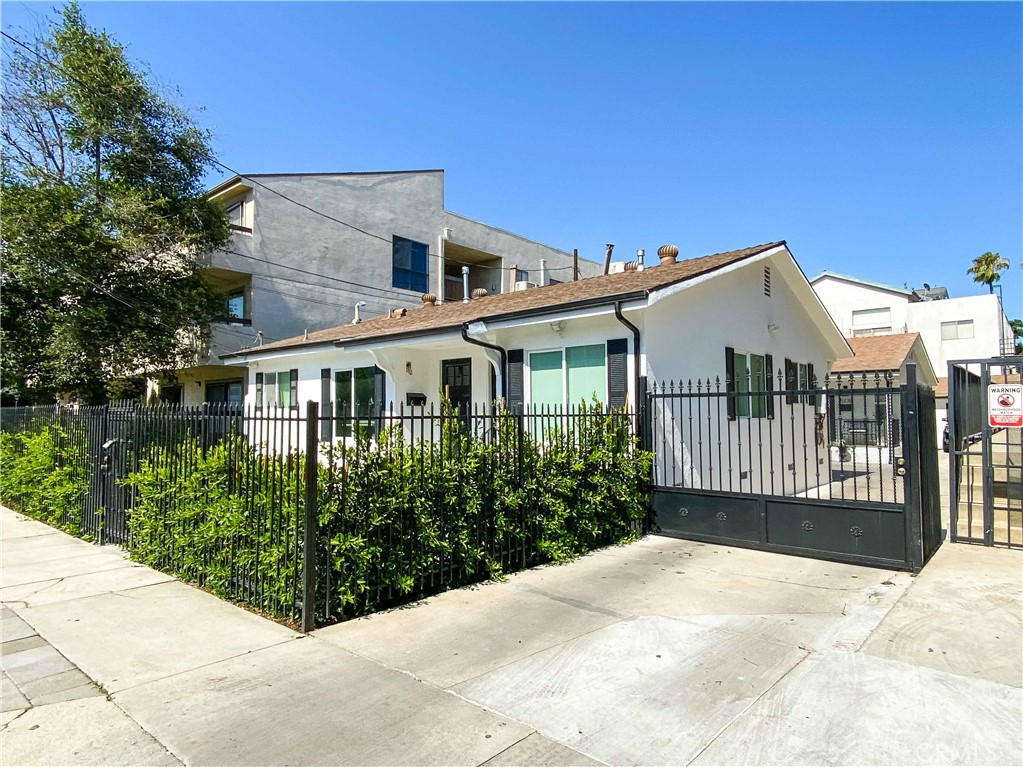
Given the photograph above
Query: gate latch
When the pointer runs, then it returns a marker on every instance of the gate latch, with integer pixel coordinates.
(109, 448)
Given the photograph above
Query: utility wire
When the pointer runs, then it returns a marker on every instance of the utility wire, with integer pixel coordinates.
(315, 211)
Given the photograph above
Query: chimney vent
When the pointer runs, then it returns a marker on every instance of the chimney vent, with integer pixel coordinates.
(668, 254)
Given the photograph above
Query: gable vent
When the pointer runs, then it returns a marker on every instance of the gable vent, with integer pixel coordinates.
(767, 281)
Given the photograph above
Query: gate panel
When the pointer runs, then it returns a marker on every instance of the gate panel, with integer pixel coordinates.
(985, 462)
(834, 472)
(868, 534)
(708, 517)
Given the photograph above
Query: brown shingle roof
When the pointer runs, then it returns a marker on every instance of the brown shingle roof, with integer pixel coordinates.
(551, 297)
(886, 352)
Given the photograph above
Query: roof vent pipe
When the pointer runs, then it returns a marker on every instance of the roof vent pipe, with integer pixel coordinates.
(358, 306)
(465, 284)
(607, 256)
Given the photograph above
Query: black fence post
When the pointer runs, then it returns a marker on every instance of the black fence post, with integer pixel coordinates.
(911, 454)
(310, 523)
(104, 478)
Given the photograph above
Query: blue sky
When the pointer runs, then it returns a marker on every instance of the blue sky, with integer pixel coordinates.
(879, 140)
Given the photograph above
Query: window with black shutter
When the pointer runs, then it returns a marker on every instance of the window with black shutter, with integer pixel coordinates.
(618, 372)
(730, 381)
(516, 387)
(325, 415)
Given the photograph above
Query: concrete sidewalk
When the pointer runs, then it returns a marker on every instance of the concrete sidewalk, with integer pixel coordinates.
(661, 652)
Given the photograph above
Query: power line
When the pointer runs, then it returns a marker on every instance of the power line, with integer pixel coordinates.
(302, 205)
(318, 275)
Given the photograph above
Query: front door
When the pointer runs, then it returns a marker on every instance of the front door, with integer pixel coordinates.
(456, 383)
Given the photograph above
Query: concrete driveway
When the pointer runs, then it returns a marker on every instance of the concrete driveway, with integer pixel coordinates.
(673, 652)
(660, 652)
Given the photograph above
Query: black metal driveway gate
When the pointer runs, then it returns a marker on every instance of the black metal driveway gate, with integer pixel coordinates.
(985, 460)
(844, 472)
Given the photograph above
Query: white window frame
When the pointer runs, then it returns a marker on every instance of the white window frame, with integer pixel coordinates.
(958, 326)
(242, 205)
(528, 372)
(746, 396)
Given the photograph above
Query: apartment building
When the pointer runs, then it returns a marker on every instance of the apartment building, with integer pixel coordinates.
(315, 250)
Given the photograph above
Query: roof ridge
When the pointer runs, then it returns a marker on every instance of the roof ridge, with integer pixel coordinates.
(605, 287)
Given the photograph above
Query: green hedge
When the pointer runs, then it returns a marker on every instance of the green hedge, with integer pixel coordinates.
(398, 519)
(43, 476)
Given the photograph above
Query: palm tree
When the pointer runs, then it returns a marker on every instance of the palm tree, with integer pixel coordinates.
(986, 268)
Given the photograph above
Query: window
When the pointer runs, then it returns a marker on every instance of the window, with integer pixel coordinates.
(858, 332)
(750, 376)
(410, 265)
(584, 374)
(236, 309)
(522, 275)
(355, 401)
(951, 331)
(278, 389)
(872, 317)
(570, 377)
(236, 218)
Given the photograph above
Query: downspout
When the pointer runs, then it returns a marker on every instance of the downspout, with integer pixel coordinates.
(494, 347)
(635, 350)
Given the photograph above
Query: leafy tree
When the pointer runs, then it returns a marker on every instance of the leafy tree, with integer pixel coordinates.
(1017, 333)
(104, 220)
(986, 269)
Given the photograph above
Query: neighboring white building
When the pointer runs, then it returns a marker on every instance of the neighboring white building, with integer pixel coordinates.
(307, 248)
(951, 328)
(556, 346)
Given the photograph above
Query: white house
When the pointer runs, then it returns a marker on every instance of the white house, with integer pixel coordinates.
(311, 250)
(970, 327)
(559, 345)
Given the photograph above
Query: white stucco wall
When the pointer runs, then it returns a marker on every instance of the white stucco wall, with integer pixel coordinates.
(684, 337)
(686, 340)
(842, 298)
(989, 327)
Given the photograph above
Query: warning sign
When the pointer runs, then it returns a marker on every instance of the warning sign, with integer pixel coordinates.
(1005, 405)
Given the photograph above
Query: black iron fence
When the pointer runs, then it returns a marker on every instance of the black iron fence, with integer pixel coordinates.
(389, 508)
(838, 440)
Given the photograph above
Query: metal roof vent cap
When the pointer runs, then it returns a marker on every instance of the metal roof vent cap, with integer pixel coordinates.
(478, 293)
(632, 266)
(429, 299)
(668, 254)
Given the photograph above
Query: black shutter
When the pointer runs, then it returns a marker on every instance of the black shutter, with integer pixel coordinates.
(769, 383)
(791, 382)
(617, 372)
(379, 389)
(293, 380)
(516, 388)
(730, 381)
(259, 391)
(811, 384)
(325, 414)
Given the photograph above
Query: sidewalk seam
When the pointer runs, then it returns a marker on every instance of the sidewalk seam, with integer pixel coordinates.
(752, 703)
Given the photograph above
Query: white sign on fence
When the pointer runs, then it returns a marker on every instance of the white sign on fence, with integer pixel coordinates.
(1005, 405)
